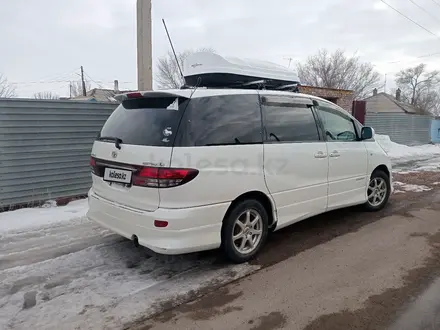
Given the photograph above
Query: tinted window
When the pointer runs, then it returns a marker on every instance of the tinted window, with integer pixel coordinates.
(145, 121)
(289, 122)
(221, 120)
(337, 126)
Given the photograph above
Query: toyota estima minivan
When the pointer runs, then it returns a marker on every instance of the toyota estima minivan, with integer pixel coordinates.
(187, 170)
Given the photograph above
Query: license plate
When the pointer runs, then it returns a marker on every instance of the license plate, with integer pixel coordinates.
(116, 175)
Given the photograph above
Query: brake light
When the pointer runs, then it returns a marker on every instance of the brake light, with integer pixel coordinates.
(159, 177)
(93, 165)
(134, 95)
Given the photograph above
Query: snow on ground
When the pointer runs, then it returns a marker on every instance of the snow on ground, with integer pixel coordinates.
(403, 187)
(400, 151)
(403, 166)
(46, 215)
(58, 270)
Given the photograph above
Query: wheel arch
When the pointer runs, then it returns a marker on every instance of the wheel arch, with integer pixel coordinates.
(382, 168)
(263, 198)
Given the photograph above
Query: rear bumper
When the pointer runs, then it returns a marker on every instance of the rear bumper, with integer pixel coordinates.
(189, 229)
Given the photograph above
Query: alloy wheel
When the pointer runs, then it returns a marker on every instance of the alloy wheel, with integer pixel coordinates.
(247, 231)
(377, 191)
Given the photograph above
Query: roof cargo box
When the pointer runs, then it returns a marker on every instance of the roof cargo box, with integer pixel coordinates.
(205, 69)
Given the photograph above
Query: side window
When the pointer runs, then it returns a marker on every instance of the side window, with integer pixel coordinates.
(222, 120)
(289, 122)
(337, 127)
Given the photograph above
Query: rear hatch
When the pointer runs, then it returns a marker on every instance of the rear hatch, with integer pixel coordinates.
(135, 141)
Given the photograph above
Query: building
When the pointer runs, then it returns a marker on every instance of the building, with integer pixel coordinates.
(342, 97)
(390, 115)
(435, 130)
(97, 95)
(101, 94)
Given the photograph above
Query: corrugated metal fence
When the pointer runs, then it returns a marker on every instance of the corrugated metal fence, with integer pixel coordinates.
(45, 148)
(402, 128)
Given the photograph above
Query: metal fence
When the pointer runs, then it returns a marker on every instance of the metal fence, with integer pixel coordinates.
(402, 128)
(45, 148)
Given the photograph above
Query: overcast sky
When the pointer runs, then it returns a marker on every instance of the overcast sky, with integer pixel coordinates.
(44, 42)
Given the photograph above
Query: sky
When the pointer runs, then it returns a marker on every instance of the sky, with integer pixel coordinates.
(45, 42)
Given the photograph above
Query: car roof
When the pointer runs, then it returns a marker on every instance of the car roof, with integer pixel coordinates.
(208, 92)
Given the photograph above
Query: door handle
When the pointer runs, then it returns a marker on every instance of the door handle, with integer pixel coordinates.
(335, 153)
(320, 154)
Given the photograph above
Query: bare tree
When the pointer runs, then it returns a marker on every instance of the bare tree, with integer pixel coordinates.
(420, 87)
(168, 75)
(429, 102)
(6, 89)
(46, 96)
(337, 70)
(76, 88)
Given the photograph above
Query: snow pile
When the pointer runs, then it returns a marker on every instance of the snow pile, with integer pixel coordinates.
(395, 150)
(48, 214)
(401, 187)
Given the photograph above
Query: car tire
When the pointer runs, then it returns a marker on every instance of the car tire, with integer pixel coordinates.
(377, 198)
(249, 219)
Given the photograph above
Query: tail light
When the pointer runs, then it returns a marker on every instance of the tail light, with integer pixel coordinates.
(93, 165)
(163, 177)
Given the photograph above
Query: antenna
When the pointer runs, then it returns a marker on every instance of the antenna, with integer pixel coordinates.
(172, 47)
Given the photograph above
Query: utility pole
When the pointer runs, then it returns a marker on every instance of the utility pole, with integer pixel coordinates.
(70, 89)
(83, 82)
(144, 45)
(290, 61)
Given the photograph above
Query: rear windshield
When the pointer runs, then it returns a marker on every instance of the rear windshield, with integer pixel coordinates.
(145, 121)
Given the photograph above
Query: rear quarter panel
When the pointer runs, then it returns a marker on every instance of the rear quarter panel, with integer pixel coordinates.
(225, 172)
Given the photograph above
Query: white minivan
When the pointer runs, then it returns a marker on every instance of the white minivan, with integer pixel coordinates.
(187, 170)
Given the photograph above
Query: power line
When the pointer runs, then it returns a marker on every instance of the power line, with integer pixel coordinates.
(437, 3)
(59, 76)
(66, 81)
(424, 10)
(421, 56)
(97, 83)
(402, 14)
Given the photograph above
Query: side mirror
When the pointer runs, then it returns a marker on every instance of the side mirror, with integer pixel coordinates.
(367, 133)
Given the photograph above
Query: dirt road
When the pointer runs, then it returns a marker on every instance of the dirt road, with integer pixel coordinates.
(344, 270)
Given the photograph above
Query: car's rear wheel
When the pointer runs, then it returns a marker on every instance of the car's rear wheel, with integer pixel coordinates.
(378, 191)
(244, 230)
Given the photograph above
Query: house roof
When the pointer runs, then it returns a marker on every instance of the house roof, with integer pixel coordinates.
(99, 95)
(402, 106)
(306, 87)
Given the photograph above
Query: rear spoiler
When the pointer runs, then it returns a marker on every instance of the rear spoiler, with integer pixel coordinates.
(153, 94)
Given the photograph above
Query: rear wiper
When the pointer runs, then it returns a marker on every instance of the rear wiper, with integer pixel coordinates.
(273, 135)
(116, 140)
